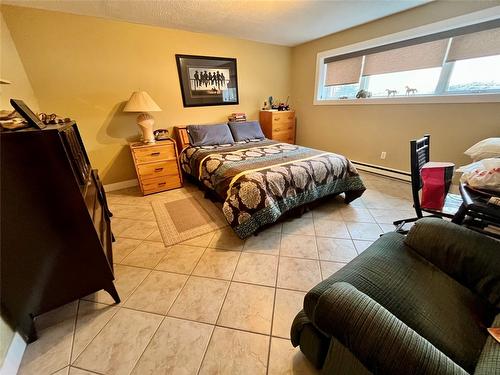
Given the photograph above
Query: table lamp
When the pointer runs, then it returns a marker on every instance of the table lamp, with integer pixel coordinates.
(140, 101)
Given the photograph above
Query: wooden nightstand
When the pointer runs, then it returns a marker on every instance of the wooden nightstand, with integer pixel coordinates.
(278, 125)
(157, 166)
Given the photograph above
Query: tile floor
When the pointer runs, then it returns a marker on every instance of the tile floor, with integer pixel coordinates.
(214, 304)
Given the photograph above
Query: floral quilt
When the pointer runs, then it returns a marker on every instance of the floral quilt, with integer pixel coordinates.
(260, 181)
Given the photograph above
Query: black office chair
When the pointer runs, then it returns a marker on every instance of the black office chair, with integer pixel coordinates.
(419, 155)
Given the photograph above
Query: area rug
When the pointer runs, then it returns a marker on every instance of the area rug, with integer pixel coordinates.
(182, 218)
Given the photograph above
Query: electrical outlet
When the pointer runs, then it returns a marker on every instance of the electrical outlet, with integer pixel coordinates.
(383, 154)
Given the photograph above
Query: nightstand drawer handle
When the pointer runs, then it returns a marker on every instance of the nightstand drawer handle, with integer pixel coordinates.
(277, 129)
(158, 169)
(276, 119)
(155, 154)
(162, 183)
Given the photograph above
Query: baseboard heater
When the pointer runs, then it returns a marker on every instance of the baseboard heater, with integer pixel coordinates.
(384, 171)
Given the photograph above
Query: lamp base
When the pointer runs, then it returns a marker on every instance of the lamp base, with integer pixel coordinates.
(145, 121)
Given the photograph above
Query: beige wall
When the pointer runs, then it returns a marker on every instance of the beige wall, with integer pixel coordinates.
(361, 132)
(12, 69)
(86, 68)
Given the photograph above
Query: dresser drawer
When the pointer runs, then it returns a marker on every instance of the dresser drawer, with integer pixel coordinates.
(148, 154)
(284, 127)
(152, 170)
(154, 185)
(286, 136)
(283, 116)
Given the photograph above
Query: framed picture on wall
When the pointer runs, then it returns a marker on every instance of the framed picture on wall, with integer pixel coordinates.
(207, 80)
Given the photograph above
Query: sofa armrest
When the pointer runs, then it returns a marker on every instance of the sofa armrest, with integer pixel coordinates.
(382, 342)
(470, 258)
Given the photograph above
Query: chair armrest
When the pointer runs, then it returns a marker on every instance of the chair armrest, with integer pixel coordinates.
(471, 258)
(382, 342)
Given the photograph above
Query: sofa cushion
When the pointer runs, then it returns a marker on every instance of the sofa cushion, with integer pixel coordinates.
(470, 258)
(437, 307)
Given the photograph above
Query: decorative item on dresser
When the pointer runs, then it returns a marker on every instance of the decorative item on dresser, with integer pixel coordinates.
(140, 101)
(278, 125)
(55, 225)
(157, 166)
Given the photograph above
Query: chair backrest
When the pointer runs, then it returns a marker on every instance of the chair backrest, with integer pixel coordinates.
(419, 155)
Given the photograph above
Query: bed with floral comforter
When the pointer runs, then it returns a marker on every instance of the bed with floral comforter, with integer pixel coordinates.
(260, 181)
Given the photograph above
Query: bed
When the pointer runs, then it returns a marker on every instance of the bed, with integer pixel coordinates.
(259, 181)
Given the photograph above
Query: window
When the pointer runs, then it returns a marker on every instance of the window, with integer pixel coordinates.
(452, 63)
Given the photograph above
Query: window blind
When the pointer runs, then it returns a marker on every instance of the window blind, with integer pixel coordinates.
(343, 72)
(418, 56)
(479, 44)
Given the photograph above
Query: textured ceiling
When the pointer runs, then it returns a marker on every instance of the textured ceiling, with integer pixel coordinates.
(285, 22)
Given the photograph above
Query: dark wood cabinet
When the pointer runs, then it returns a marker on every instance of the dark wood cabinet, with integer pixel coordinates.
(56, 240)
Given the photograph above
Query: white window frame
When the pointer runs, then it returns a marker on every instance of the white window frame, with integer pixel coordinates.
(445, 25)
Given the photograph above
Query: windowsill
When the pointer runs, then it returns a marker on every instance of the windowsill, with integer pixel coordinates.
(417, 99)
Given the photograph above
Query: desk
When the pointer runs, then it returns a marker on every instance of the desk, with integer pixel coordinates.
(480, 214)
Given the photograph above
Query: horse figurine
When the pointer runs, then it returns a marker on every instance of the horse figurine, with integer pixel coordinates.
(391, 92)
(410, 91)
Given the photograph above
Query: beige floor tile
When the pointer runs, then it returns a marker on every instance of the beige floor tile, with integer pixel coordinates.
(92, 317)
(176, 348)
(155, 236)
(257, 269)
(78, 371)
(386, 228)
(299, 226)
(123, 247)
(63, 371)
(299, 246)
(236, 352)
(298, 274)
(328, 211)
(138, 229)
(51, 352)
(284, 359)
(361, 245)
(248, 307)
(116, 349)
(336, 249)
(226, 239)
(329, 268)
(364, 231)
(147, 254)
(264, 243)
(276, 228)
(330, 228)
(287, 304)
(126, 280)
(157, 292)
(181, 259)
(201, 241)
(126, 211)
(389, 216)
(217, 263)
(200, 300)
(356, 214)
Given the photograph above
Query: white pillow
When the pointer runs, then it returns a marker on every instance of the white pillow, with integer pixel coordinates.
(487, 148)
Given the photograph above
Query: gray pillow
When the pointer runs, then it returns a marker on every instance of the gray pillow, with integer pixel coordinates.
(246, 131)
(208, 135)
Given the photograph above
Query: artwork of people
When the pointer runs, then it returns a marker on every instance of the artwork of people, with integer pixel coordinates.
(203, 79)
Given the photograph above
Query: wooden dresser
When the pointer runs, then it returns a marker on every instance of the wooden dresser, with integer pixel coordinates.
(278, 125)
(157, 166)
(55, 225)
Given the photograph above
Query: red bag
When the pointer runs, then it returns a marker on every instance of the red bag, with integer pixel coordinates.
(436, 179)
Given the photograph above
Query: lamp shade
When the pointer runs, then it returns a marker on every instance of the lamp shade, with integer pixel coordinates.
(140, 101)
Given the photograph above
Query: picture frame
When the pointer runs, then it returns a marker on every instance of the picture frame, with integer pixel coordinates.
(207, 80)
(27, 114)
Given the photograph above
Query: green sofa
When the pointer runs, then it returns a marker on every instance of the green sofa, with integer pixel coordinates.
(415, 304)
